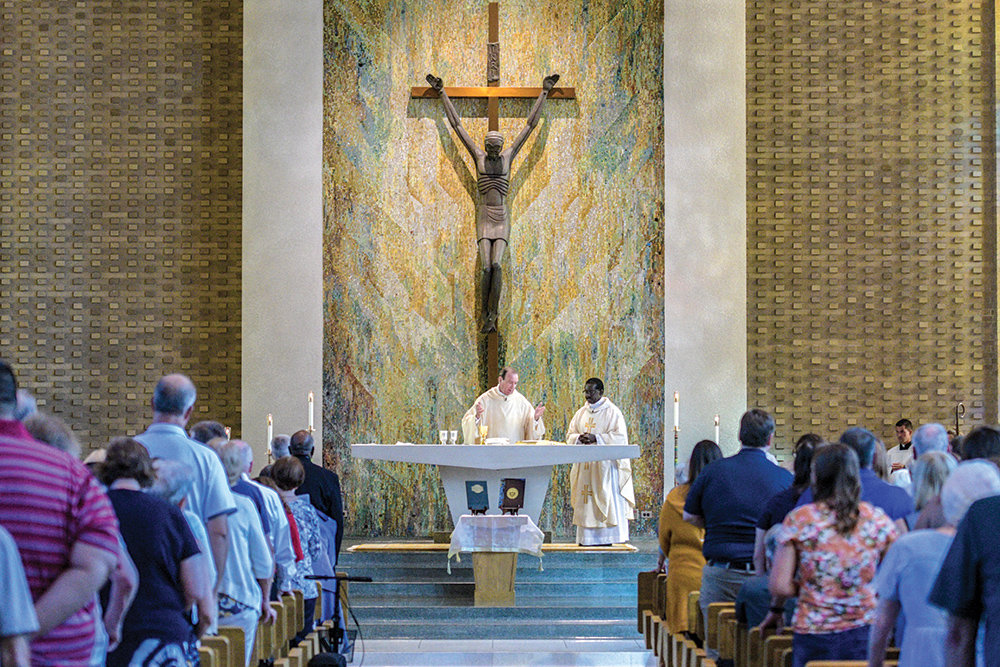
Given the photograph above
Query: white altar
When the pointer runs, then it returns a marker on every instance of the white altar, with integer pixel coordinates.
(461, 463)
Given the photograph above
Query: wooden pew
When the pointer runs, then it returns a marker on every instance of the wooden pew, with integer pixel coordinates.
(222, 646)
(209, 657)
(299, 598)
(755, 646)
(237, 645)
(696, 623)
(773, 648)
(645, 597)
(727, 634)
(280, 627)
(740, 647)
(712, 628)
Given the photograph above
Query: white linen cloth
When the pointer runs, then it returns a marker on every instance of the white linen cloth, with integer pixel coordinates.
(495, 532)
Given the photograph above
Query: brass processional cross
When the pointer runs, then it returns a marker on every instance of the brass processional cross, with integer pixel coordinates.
(492, 91)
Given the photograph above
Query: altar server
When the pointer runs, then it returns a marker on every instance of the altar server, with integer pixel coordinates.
(505, 412)
(602, 493)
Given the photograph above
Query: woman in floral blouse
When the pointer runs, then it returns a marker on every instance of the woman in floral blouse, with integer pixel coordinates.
(829, 552)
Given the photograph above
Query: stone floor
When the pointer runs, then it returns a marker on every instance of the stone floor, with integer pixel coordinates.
(502, 653)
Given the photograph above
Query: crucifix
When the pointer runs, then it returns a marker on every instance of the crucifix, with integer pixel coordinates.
(492, 169)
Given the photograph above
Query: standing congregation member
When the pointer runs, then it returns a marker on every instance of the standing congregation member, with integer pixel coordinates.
(66, 533)
(173, 481)
(279, 446)
(727, 500)
(17, 614)
(908, 571)
(209, 496)
(288, 475)
(244, 590)
(681, 542)
(172, 577)
(601, 491)
(206, 431)
(321, 485)
(278, 533)
(968, 585)
(505, 412)
(830, 549)
(891, 499)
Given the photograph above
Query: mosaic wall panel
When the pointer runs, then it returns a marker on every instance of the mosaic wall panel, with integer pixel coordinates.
(120, 204)
(870, 213)
(583, 290)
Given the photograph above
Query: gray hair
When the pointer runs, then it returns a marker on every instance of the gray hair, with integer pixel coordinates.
(929, 475)
(246, 452)
(971, 481)
(26, 405)
(930, 438)
(173, 480)
(279, 446)
(53, 431)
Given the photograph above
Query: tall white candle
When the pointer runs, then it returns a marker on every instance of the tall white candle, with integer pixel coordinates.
(677, 410)
(716, 429)
(311, 400)
(270, 432)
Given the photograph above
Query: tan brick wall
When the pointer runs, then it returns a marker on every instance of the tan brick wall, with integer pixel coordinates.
(871, 222)
(120, 200)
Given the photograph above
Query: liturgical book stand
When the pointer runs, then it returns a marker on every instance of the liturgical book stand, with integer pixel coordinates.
(461, 463)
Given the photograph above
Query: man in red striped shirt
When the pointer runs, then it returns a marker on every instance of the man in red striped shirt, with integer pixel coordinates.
(65, 530)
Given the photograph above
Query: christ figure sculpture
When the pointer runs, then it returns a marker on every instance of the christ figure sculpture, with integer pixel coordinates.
(493, 188)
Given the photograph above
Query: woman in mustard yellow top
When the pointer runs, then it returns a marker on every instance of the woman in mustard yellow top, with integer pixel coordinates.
(680, 542)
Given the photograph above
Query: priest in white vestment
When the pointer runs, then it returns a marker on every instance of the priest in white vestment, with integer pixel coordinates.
(505, 412)
(602, 492)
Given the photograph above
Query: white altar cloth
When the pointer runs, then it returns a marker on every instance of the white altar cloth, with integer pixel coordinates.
(494, 533)
(461, 463)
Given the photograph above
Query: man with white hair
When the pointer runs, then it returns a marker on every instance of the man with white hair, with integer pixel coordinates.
(276, 530)
(209, 496)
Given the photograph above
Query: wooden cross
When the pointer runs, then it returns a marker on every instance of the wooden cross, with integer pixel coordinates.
(492, 91)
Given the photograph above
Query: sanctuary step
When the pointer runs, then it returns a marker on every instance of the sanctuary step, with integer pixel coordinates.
(580, 595)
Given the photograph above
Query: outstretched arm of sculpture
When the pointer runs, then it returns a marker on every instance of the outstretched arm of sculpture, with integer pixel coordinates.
(536, 113)
(453, 120)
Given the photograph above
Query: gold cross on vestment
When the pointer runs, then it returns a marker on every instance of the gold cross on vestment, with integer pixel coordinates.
(587, 493)
(589, 424)
(492, 91)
